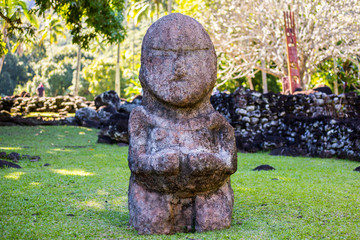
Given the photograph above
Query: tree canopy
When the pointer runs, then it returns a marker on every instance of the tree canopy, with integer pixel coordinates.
(248, 36)
(86, 19)
(246, 33)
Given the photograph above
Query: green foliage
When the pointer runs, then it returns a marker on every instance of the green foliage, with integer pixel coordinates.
(192, 8)
(101, 76)
(3, 49)
(6, 84)
(273, 83)
(133, 87)
(60, 79)
(346, 73)
(129, 60)
(142, 10)
(57, 72)
(15, 71)
(53, 28)
(11, 17)
(87, 19)
(83, 193)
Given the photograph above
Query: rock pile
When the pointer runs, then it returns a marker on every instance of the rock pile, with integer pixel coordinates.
(111, 116)
(15, 158)
(107, 112)
(114, 124)
(316, 124)
(59, 104)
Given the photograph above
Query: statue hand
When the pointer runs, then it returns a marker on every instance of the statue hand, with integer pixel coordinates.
(205, 163)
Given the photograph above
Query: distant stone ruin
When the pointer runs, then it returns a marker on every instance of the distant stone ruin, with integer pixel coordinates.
(317, 125)
(59, 104)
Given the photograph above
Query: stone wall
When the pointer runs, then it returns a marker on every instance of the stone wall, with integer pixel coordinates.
(59, 104)
(316, 125)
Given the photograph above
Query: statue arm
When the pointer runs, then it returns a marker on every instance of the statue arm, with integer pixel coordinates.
(225, 158)
(228, 147)
(164, 162)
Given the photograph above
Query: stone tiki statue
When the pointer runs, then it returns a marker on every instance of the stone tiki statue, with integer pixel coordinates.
(182, 152)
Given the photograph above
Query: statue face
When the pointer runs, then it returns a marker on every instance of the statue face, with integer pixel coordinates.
(179, 77)
(178, 62)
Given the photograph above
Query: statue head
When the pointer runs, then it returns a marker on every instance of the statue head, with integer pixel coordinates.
(178, 61)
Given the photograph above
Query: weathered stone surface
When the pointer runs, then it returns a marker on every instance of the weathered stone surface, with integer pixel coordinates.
(129, 106)
(264, 167)
(14, 156)
(87, 117)
(35, 158)
(4, 164)
(115, 129)
(293, 125)
(105, 112)
(182, 152)
(108, 98)
(25, 104)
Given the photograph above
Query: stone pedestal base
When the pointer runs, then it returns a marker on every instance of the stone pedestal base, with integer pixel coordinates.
(159, 213)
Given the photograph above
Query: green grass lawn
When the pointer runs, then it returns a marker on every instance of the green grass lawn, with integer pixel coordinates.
(83, 193)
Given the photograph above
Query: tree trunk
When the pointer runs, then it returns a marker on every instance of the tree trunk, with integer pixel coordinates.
(336, 85)
(2, 60)
(117, 73)
(169, 6)
(305, 80)
(158, 9)
(51, 49)
(133, 49)
(77, 79)
(264, 80)
(250, 82)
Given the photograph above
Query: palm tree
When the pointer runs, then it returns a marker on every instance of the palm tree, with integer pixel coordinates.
(147, 9)
(11, 14)
(169, 6)
(78, 66)
(52, 28)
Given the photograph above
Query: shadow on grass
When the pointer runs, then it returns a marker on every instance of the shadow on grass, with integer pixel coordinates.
(115, 218)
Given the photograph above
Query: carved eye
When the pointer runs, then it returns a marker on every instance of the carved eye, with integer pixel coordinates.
(162, 53)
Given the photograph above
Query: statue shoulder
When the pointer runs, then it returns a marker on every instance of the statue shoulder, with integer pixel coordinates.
(138, 117)
(217, 120)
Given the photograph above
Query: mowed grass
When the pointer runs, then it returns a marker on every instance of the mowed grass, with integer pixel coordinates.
(83, 193)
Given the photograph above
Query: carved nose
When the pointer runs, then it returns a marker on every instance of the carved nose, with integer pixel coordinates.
(180, 67)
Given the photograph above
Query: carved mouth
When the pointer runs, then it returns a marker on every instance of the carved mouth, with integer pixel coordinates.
(179, 79)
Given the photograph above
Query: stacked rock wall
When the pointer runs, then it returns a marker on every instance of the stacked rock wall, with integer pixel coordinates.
(314, 125)
(59, 104)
